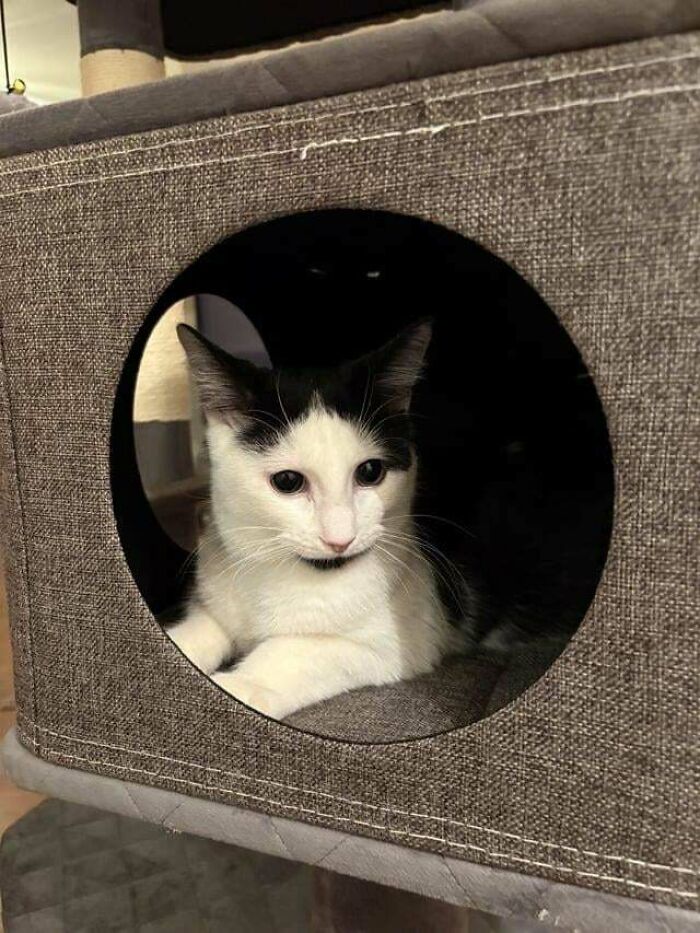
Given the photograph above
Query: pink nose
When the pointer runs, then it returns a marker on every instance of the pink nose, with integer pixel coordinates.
(339, 547)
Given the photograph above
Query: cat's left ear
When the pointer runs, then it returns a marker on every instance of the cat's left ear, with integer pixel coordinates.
(226, 384)
(398, 364)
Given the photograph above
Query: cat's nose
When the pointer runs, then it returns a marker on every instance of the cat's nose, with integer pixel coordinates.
(339, 547)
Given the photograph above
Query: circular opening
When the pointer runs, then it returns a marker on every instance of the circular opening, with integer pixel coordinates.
(487, 553)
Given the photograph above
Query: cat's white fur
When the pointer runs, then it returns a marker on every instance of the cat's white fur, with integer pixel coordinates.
(306, 634)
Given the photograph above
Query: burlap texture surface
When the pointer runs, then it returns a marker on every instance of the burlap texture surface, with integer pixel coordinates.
(581, 171)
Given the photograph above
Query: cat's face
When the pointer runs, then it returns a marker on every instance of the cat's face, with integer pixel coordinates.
(310, 465)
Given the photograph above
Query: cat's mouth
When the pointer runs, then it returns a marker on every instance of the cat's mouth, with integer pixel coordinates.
(331, 563)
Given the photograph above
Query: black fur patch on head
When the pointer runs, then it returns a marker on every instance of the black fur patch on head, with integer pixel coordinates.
(374, 391)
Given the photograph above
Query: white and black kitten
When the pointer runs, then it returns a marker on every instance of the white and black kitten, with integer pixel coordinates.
(308, 570)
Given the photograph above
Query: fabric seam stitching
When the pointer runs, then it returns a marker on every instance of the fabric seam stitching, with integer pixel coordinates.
(20, 502)
(396, 832)
(440, 98)
(303, 150)
(356, 803)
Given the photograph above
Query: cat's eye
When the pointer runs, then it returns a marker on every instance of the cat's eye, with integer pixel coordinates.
(370, 473)
(288, 481)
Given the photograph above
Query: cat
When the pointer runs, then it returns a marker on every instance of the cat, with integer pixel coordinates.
(308, 569)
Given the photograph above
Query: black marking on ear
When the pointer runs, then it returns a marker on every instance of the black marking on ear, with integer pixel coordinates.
(226, 385)
(374, 391)
(391, 372)
(400, 363)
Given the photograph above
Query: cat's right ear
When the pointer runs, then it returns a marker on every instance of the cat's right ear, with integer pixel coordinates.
(226, 385)
(398, 364)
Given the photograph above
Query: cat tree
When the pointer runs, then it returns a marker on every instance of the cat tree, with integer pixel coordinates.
(567, 144)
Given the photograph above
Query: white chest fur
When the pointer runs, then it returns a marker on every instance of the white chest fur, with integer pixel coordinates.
(307, 634)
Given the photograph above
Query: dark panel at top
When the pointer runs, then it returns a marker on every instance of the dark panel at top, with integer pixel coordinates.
(205, 29)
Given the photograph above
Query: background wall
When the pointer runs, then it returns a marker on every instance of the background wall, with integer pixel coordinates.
(44, 49)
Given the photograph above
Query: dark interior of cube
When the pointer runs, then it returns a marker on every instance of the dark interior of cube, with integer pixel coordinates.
(516, 477)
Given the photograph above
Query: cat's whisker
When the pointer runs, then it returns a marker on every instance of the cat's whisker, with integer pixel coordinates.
(238, 528)
(259, 555)
(396, 560)
(404, 564)
(360, 420)
(400, 563)
(407, 542)
(248, 565)
(456, 574)
(268, 414)
(387, 401)
(432, 597)
(434, 620)
(421, 540)
(457, 585)
(279, 399)
(270, 544)
(374, 428)
(191, 557)
(436, 518)
(277, 432)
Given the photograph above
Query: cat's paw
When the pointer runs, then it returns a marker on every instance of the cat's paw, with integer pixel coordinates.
(201, 641)
(263, 699)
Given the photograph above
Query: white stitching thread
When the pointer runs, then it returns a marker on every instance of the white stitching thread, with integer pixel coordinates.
(433, 130)
(396, 832)
(360, 803)
(306, 148)
(441, 98)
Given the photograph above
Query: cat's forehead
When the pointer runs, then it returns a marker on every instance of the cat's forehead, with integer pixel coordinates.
(321, 434)
(307, 417)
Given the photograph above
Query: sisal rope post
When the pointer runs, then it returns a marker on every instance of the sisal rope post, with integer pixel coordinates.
(121, 44)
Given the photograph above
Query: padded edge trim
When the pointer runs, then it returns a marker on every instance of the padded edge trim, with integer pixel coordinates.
(496, 891)
(488, 32)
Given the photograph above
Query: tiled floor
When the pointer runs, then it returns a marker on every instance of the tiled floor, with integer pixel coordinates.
(73, 869)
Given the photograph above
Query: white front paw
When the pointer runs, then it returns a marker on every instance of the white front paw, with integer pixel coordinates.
(187, 643)
(202, 642)
(253, 694)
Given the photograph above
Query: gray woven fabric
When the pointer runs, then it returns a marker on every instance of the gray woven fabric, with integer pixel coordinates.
(456, 694)
(489, 31)
(581, 171)
(524, 667)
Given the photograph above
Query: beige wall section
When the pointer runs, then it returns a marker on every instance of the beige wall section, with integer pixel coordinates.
(111, 69)
(162, 385)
